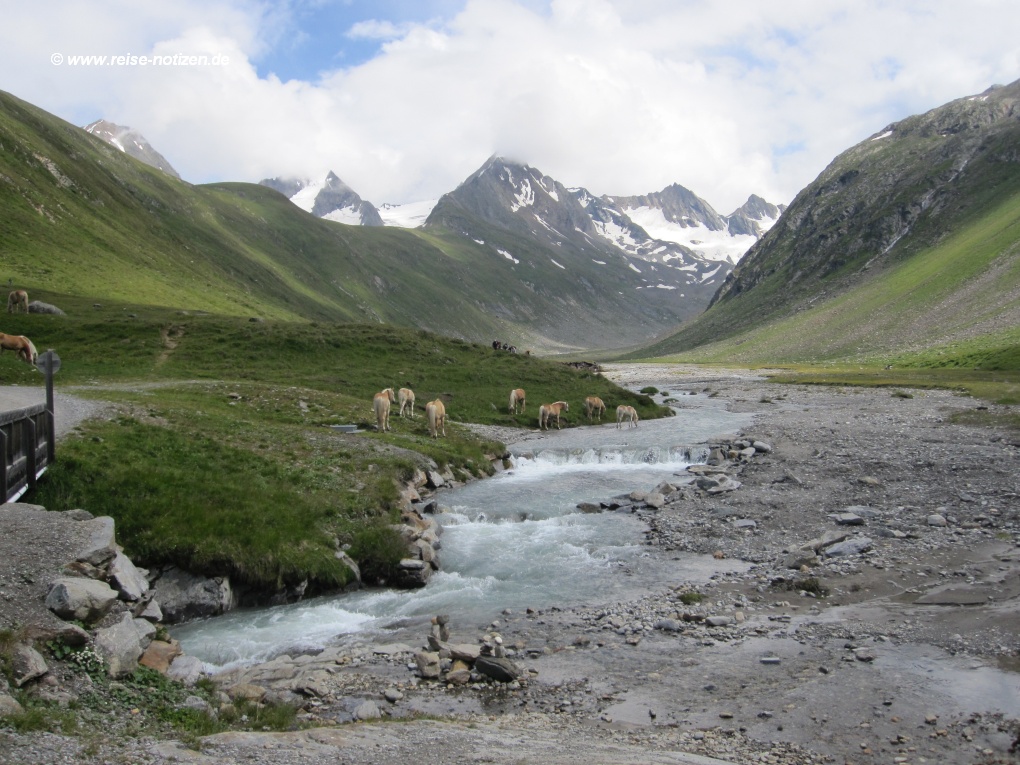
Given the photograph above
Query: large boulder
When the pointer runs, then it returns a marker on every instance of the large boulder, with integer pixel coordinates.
(128, 580)
(101, 547)
(120, 647)
(80, 599)
(183, 596)
(37, 306)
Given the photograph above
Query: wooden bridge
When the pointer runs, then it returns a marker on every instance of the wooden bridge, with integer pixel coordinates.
(28, 438)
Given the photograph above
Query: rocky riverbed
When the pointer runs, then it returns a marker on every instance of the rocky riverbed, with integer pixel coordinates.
(866, 609)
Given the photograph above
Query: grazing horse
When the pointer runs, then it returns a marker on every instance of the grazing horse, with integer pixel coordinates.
(547, 411)
(517, 397)
(406, 396)
(17, 302)
(435, 412)
(381, 403)
(629, 413)
(594, 406)
(21, 345)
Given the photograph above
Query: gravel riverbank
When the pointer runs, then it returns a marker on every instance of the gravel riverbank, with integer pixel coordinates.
(905, 649)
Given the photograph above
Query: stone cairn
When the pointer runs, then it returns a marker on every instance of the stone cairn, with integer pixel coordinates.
(459, 664)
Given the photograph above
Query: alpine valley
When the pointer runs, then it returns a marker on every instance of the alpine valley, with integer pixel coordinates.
(510, 253)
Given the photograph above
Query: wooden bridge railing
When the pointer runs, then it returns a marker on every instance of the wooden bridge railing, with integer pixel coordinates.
(28, 438)
(27, 447)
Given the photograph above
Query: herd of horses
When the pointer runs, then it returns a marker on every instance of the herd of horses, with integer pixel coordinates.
(435, 411)
(17, 302)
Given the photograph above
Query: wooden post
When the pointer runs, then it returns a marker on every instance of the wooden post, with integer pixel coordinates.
(51, 425)
(30, 436)
(5, 467)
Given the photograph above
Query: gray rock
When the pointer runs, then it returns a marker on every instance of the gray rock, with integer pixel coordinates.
(146, 632)
(127, 579)
(119, 646)
(9, 706)
(80, 599)
(102, 545)
(150, 611)
(198, 704)
(183, 596)
(655, 499)
(848, 519)
(428, 664)
(367, 710)
(27, 664)
(500, 669)
(589, 507)
(186, 669)
(745, 523)
(937, 520)
(761, 446)
(37, 306)
(854, 546)
(719, 621)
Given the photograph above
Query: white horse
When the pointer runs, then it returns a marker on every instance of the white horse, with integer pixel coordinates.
(517, 397)
(406, 396)
(629, 413)
(381, 403)
(594, 407)
(435, 413)
(547, 411)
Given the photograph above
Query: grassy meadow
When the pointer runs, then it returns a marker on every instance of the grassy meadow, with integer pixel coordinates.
(219, 456)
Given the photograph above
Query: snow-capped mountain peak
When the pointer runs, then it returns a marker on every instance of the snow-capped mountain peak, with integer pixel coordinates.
(132, 143)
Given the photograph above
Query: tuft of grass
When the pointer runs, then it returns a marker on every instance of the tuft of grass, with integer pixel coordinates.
(691, 598)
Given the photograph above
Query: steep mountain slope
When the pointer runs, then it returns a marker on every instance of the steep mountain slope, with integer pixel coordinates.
(84, 222)
(907, 240)
(132, 143)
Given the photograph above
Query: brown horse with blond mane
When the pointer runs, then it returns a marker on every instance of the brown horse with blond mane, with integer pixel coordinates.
(547, 411)
(435, 413)
(17, 302)
(594, 407)
(381, 404)
(21, 345)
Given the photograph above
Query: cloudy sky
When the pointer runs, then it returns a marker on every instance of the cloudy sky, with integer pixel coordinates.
(404, 99)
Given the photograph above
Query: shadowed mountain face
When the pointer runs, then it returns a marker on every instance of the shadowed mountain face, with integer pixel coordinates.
(880, 215)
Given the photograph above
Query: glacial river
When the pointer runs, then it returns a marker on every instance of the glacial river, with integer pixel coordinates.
(516, 540)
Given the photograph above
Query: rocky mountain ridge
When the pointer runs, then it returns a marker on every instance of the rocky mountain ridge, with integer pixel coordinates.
(903, 193)
(132, 143)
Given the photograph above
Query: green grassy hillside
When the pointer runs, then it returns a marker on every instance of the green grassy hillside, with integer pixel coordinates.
(219, 456)
(955, 304)
(83, 220)
(904, 250)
